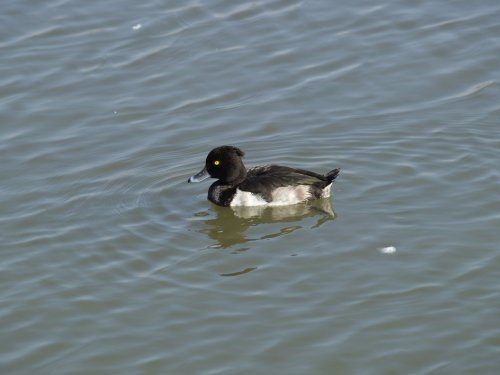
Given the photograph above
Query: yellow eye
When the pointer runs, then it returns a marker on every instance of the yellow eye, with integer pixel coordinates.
(216, 162)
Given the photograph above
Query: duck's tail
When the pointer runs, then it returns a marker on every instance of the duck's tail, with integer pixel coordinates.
(332, 175)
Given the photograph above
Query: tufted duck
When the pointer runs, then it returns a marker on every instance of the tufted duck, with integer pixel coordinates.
(272, 185)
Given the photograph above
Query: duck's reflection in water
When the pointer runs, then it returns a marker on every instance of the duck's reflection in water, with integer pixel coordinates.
(230, 224)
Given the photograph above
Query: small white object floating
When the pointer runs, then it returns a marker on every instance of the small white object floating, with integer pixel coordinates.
(388, 250)
(136, 27)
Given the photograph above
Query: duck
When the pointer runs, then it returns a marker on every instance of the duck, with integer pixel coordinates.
(269, 185)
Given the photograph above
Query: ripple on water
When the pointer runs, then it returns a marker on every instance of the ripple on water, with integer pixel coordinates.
(111, 262)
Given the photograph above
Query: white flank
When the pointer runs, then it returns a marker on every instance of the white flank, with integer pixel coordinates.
(290, 195)
(245, 198)
(326, 191)
(280, 197)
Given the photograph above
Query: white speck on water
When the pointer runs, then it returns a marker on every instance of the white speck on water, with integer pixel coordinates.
(136, 27)
(388, 250)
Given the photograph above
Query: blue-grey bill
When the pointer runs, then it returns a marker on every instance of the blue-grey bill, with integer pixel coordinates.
(202, 175)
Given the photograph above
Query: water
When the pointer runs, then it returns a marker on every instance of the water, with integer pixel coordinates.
(112, 264)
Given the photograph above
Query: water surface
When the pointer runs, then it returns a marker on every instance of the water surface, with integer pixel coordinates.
(112, 264)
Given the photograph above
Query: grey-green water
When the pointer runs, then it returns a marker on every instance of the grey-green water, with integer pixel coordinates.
(112, 264)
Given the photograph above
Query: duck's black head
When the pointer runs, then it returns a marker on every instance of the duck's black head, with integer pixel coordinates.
(223, 163)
